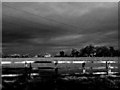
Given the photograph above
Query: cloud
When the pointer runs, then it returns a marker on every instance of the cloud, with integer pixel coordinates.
(67, 38)
(47, 26)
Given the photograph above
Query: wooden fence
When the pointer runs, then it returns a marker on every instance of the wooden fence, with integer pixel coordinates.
(107, 69)
(28, 67)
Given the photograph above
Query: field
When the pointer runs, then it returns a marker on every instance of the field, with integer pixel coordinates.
(67, 74)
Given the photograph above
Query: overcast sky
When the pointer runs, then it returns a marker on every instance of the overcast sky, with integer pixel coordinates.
(40, 27)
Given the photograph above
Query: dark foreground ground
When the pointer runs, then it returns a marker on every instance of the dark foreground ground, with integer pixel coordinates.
(65, 82)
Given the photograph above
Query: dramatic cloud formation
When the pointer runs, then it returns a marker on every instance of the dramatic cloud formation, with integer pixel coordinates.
(30, 27)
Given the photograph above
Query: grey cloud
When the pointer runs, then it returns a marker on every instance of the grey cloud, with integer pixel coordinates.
(47, 26)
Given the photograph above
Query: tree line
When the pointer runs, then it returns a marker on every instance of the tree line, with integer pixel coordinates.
(92, 51)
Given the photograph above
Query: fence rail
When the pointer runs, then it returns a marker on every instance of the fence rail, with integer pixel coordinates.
(84, 66)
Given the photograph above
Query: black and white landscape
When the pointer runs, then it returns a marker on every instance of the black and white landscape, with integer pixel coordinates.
(60, 45)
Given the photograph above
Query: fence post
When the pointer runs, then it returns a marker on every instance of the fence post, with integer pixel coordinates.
(26, 70)
(56, 68)
(30, 69)
(26, 65)
(118, 65)
(56, 75)
(108, 68)
(91, 68)
(83, 68)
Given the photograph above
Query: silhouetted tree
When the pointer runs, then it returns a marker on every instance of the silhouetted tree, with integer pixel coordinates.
(112, 51)
(83, 52)
(102, 51)
(87, 51)
(74, 53)
(62, 53)
(117, 53)
(92, 51)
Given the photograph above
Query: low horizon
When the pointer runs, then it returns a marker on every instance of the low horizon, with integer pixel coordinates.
(68, 52)
(49, 27)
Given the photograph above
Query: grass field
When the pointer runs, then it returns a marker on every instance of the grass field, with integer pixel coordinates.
(69, 76)
(60, 58)
(64, 64)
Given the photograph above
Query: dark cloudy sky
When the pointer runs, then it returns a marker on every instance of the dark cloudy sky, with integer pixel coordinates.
(38, 27)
